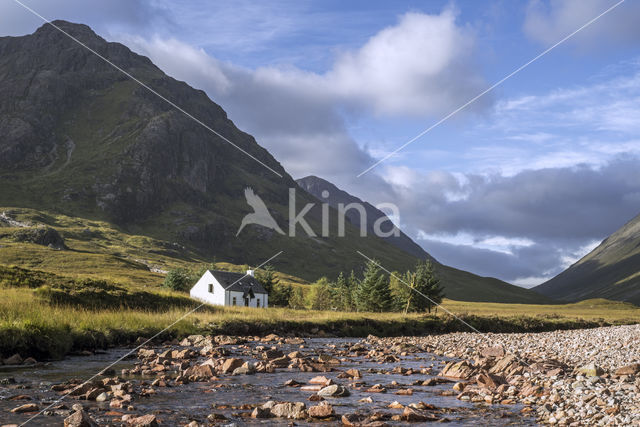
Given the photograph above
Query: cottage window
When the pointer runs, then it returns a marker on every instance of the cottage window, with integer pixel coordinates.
(210, 288)
(234, 301)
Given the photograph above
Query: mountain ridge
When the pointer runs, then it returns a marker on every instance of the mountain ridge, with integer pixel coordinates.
(611, 270)
(458, 284)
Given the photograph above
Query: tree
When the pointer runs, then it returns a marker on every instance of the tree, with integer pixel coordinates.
(341, 293)
(420, 289)
(399, 291)
(177, 279)
(297, 298)
(372, 293)
(267, 278)
(281, 295)
(320, 297)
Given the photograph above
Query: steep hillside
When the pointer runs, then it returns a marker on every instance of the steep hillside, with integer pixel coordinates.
(459, 285)
(611, 271)
(80, 138)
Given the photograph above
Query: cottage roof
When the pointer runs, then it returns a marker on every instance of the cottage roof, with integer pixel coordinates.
(238, 282)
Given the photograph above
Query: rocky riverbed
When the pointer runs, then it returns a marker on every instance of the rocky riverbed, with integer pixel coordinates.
(566, 377)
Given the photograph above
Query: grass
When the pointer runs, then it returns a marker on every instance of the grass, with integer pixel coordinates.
(594, 309)
(33, 324)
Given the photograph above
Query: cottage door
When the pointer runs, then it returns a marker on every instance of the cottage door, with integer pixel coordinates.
(246, 301)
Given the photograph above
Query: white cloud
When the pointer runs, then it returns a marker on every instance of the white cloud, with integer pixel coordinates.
(550, 21)
(419, 67)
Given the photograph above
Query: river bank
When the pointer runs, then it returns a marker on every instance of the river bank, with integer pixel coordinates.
(574, 377)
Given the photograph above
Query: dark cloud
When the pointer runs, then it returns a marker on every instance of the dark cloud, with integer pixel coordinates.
(550, 21)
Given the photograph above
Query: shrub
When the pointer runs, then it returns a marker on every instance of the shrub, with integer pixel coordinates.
(177, 279)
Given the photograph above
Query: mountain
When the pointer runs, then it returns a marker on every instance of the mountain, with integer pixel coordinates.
(611, 271)
(80, 138)
(316, 186)
(458, 284)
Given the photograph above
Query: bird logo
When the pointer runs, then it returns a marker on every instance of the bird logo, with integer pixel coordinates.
(260, 215)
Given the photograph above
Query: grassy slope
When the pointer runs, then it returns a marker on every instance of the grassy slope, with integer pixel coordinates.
(611, 271)
(100, 249)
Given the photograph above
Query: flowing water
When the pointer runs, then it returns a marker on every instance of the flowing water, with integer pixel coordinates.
(178, 405)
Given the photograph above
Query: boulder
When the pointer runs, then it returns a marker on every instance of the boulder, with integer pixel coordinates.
(461, 370)
(148, 420)
(354, 373)
(591, 370)
(417, 416)
(200, 371)
(79, 419)
(632, 369)
(29, 407)
(323, 410)
(259, 412)
(334, 390)
(290, 410)
(16, 359)
(496, 351)
(231, 364)
(489, 381)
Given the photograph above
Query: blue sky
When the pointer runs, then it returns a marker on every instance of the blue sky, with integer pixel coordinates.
(517, 186)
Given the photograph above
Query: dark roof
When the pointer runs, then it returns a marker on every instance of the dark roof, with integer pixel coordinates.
(238, 282)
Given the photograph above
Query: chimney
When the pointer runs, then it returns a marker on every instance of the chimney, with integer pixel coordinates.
(250, 273)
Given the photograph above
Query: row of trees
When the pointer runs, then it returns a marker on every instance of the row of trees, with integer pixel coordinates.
(414, 291)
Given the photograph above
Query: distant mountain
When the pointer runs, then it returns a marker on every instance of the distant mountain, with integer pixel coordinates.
(612, 270)
(316, 186)
(459, 285)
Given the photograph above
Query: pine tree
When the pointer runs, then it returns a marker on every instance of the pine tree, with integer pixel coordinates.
(341, 294)
(373, 290)
(267, 278)
(423, 288)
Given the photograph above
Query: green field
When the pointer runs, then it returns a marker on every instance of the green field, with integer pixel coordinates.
(101, 291)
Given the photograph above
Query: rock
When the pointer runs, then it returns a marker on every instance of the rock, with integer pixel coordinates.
(417, 416)
(352, 420)
(292, 383)
(396, 405)
(200, 371)
(354, 373)
(334, 390)
(591, 370)
(29, 361)
(145, 353)
(231, 364)
(79, 419)
(246, 369)
(323, 381)
(101, 397)
(259, 412)
(290, 410)
(459, 386)
(489, 381)
(460, 370)
(16, 359)
(272, 354)
(148, 420)
(323, 410)
(632, 369)
(496, 351)
(29, 407)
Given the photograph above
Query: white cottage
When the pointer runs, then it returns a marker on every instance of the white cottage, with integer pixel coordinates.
(225, 288)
